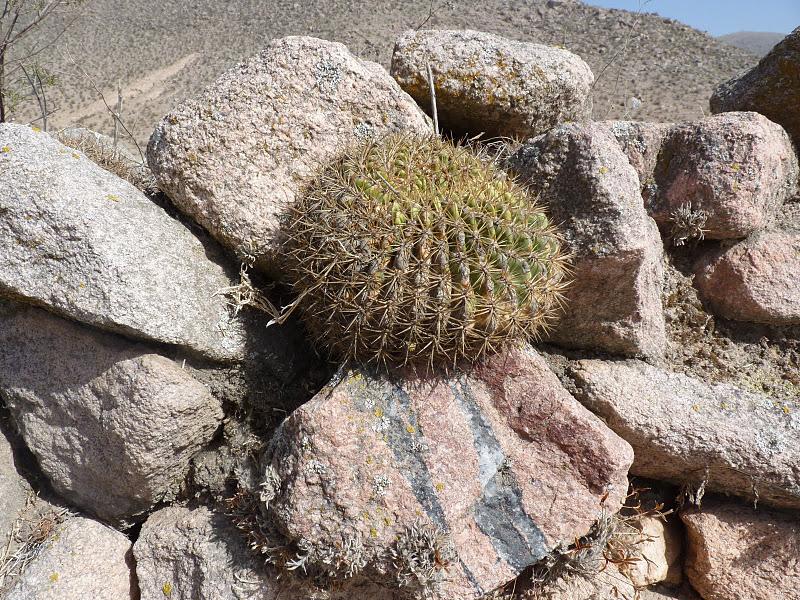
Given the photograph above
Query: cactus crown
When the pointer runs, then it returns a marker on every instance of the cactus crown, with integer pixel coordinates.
(411, 249)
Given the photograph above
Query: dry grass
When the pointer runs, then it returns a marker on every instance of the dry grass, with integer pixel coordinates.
(102, 152)
(30, 533)
(759, 358)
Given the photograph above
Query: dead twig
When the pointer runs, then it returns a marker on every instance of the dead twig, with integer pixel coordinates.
(432, 87)
(432, 10)
(110, 110)
(621, 51)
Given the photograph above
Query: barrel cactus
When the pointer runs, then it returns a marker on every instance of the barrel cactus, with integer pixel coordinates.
(411, 249)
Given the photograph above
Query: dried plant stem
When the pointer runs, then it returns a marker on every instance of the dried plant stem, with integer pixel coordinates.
(432, 87)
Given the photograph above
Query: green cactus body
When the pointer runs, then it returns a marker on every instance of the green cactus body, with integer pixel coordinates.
(411, 249)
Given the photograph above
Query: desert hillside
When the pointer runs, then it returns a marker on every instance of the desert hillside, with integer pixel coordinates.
(161, 52)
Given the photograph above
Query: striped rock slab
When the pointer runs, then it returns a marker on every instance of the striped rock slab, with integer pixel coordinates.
(451, 484)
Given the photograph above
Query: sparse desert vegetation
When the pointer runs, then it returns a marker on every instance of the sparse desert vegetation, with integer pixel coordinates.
(162, 52)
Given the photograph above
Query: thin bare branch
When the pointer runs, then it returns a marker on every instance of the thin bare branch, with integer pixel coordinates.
(108, 107)
(41, 16)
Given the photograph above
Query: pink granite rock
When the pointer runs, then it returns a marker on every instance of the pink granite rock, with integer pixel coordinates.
(113, 425)
(659, 543)
(81, 559)
(685, 430)
(663, 592)
(489, 84)
(83, 243)
(737, 168)
(756, 280)
(453, 485)
(641, 142)
(771, 88)
(14, 490)
(235, 157)
(602, 582)
(183, 554)
(737, 553)
(591, 190)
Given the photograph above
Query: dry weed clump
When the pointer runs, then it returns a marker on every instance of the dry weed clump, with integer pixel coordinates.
(613, 543)
(415, 565)
(303, 564)
(30, 533)
(102, 152)
(687, 225)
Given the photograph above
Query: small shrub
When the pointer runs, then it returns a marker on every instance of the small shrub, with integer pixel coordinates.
(421, 557)
(687, 224)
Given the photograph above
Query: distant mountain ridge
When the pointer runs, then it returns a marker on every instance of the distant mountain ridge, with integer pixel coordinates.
(757, 42)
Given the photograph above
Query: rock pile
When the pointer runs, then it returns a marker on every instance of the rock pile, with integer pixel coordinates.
(184, 449)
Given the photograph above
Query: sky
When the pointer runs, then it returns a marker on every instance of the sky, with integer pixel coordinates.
(718, 17)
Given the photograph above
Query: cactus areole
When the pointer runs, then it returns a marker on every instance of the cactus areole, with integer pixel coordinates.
(410, 249)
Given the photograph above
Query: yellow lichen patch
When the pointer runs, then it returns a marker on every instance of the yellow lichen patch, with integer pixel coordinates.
(167, 589)
(373, 533)
(112, 197)
(53, 577)
(696, 407)
(775, 384)
(378, 412)
(75, 155)
(411, 429)
(786, 410)
(35, 129)
(5, 149)
(439, 486)
(602, 170)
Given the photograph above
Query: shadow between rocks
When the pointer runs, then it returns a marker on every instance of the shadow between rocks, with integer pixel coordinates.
(24, 461)
(281, 371)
